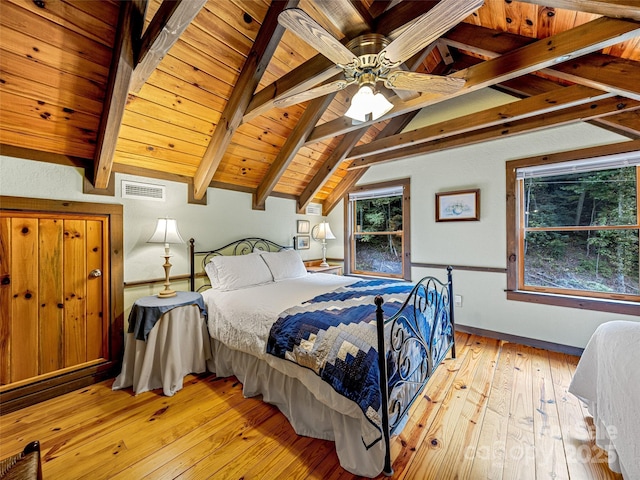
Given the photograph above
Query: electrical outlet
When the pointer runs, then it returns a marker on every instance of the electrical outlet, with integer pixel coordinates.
(458, 300)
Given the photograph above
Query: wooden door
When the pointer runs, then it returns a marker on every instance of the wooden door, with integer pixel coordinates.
(53, 307)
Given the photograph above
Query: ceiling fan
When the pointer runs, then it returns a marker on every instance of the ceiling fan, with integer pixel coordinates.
(373, 58)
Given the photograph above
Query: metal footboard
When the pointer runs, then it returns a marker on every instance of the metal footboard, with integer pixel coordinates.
(411, 344)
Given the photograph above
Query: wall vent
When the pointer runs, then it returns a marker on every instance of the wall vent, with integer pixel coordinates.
(143, 191)
(314, 209)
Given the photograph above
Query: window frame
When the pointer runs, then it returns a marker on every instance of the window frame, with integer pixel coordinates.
(349, 228)
(515, 264)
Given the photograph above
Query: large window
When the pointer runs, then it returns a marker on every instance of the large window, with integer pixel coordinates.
(576, 228)
(378, 230)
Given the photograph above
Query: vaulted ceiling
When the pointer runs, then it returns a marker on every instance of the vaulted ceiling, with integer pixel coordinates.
(185, 90)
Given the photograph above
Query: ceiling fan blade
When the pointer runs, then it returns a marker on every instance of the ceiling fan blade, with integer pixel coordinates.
(312, 93)
(423, 82)
(305, 27)
(426, 29)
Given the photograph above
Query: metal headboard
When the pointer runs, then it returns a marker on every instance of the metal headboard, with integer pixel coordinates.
(243, 246)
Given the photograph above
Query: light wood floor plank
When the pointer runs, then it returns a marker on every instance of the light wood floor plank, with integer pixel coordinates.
(520, 447)
(488, 461)
(424, 411)
(476, 415)
(549, 454)
(444, 438)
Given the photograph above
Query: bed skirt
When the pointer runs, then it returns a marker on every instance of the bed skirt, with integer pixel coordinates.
(279, 381)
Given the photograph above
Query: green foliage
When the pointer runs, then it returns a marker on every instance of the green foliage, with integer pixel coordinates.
(383, 253)
(607, 260)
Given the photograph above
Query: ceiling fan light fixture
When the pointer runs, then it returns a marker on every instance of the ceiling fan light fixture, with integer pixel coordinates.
(365, 102)
(380, 106)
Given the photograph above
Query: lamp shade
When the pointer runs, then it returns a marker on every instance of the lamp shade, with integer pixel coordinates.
(166, 232)
(323, 232)
(365, 102)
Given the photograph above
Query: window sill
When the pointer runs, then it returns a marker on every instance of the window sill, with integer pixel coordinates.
(601, 305)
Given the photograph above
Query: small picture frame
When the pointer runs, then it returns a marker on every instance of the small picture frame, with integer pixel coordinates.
(303, 242)
(461, 205)
(304, 226)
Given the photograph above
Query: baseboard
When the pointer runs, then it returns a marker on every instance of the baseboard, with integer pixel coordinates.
(531, 342)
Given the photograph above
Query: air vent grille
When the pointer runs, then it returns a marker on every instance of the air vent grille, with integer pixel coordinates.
(143, 191)
(314, 209)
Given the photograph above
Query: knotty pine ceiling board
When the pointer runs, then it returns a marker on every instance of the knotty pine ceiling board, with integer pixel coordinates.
(206, 70)
(55, 63)
(54, 78)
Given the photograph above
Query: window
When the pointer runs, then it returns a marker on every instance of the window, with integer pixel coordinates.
(575, 229)
(378, 230)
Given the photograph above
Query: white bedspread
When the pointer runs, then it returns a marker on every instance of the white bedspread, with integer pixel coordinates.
(239, 322)
(608, 381)
(242, 318)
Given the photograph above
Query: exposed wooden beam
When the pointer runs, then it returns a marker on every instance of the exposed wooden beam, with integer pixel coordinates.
(349, 180)
(129, 27)
(578, 41)
(560, 98)
(316, 70)
(483, 41)
(613, 74)
(310, 117)
(585, 112)
(254, 67)
(362, 10)
(394, 126)
(616, 75)
(400, 15)
(329, 166)
(625, 123)
(319, 69)
(609, 8)
(378, 7)
(166, 26)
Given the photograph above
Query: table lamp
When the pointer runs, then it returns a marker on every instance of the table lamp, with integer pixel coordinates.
(323, 232)
(166, 232)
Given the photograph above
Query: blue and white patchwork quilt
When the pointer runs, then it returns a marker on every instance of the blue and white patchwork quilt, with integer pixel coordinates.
(334, 334)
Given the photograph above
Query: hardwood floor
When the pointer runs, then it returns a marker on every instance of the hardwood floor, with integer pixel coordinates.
(498, 411)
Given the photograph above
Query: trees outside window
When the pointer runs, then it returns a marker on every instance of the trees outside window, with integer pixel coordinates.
(377, 230)
(576, 230)
(580, 232)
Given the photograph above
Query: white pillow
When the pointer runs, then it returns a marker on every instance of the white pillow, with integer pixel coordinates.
(284, 264)
(234, 272)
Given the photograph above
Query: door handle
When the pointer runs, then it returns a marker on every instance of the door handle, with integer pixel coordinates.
(95, 273)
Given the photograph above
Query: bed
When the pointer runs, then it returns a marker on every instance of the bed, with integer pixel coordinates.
(342, 358)
(607, 379)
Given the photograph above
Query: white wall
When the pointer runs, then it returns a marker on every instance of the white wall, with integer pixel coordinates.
(483, 243)
(228, 216)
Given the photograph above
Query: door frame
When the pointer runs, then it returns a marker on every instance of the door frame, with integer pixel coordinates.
(23, 395)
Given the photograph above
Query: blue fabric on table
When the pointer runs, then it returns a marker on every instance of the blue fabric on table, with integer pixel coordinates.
(146, 311)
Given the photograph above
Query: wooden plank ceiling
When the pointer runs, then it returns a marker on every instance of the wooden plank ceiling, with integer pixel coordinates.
(199, 107)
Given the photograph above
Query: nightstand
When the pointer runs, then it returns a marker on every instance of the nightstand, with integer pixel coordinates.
(166, 340)
(331, 269)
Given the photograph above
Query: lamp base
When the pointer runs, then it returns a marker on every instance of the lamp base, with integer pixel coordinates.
(324, 254)
(166, 293)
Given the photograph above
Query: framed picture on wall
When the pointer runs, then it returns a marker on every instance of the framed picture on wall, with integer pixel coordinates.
(458, 206)
(303, 242)
(303, 226)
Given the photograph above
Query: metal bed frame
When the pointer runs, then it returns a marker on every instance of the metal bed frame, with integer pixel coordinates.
(431, 300)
